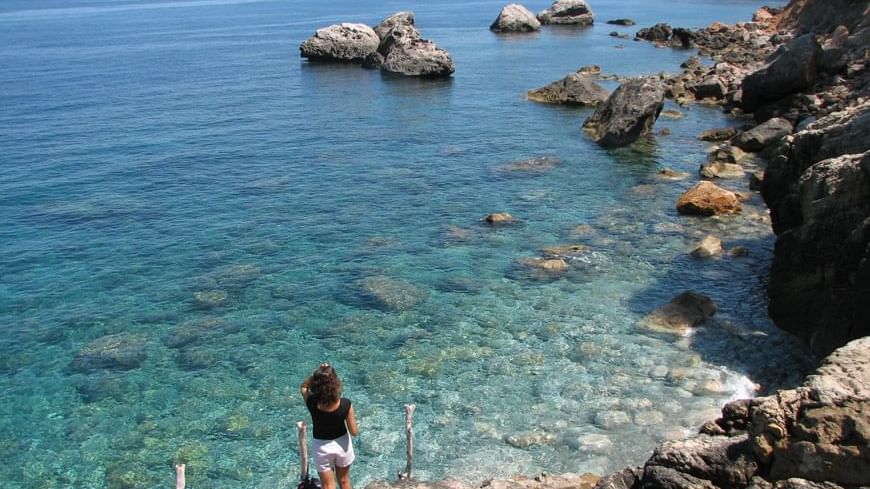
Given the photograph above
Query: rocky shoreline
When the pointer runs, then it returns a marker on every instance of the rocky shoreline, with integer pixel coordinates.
(798, 77)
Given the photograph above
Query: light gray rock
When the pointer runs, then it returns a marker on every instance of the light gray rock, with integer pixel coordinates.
(567, 12)
(718, 169)
(710, 246)
(611, 419)
(628, 113)
(399, 18)
(515, 18)
(341, 42)
(575, 89)
(405, 53)
(763, 135)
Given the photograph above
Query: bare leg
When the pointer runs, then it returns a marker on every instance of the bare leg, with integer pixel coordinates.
(343, 474)
(327, 479)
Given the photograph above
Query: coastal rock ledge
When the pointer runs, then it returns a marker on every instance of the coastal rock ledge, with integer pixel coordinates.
(341, 42)
(815, 436)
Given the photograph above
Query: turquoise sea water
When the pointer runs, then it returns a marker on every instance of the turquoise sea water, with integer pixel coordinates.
(173, 173)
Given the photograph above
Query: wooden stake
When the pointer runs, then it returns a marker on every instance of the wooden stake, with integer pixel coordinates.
(409, 431)
(303, 450)
(179, 476)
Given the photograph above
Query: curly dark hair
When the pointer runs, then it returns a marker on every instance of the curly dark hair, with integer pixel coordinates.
(325, 387)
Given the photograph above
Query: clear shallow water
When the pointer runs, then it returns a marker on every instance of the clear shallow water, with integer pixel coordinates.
(153, 151)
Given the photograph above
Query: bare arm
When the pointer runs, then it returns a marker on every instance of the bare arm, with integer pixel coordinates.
(351, 422)
(303, 389)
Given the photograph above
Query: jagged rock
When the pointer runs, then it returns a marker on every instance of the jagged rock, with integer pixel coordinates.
(341, 42)
(625, 22)
(718, 169)
(709, 87)
(373, 61)
(122, 351)
(708, 247)
(763, 135)
(405, 53)
(624, 479)
(515, 18)
(708, 199)
(497, 218)
(399, 18)
(575, 89)
(572, 12)
(714, 459)
(390, 293)
(716, 135)
(820, 278)
(681, 313)
(660, 33)
(814, 437)
(629, 113)
(789, 69)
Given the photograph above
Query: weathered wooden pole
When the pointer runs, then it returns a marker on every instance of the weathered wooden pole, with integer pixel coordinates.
(409, 431)
(179, 476)
(303, 449)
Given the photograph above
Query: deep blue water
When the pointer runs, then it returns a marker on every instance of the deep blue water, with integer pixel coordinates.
(153, 153)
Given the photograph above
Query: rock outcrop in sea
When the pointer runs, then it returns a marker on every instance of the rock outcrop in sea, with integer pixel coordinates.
(515, 18)
(578, 88)
(340, 42)
(394, 46)
(567, 12)
(629, 113)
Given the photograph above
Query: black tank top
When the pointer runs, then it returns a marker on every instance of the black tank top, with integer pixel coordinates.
(328, 425)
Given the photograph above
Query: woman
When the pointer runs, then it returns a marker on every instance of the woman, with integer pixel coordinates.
(333, 417)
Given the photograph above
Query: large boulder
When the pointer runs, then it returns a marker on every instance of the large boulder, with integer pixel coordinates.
(575, 89)
(629, 113)
(790, 69)
(405, 53)
(763, 135)
(341, 42)
(398, 18)
(572, 12)
(515, 18)
(708, 199)
(819, 200)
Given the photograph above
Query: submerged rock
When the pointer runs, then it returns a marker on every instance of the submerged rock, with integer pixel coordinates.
(341, 42)
(567, 12)
(575, 89)
(708, 247)
(625, 22)
(123, 351)
(708, 199)
(515, 18)
(629, 113)
(390, 293)
(681, 313)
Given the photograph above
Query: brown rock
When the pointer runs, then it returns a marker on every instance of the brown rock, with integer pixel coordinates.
(708, 199)
(684, 311)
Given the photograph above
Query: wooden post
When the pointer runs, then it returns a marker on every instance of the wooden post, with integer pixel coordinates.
(409, 431)
(303, 450)
(179, 476)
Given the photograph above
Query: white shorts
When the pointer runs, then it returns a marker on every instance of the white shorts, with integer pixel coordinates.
(329, 453)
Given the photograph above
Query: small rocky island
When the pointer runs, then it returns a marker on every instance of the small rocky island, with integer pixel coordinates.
(394, 46)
